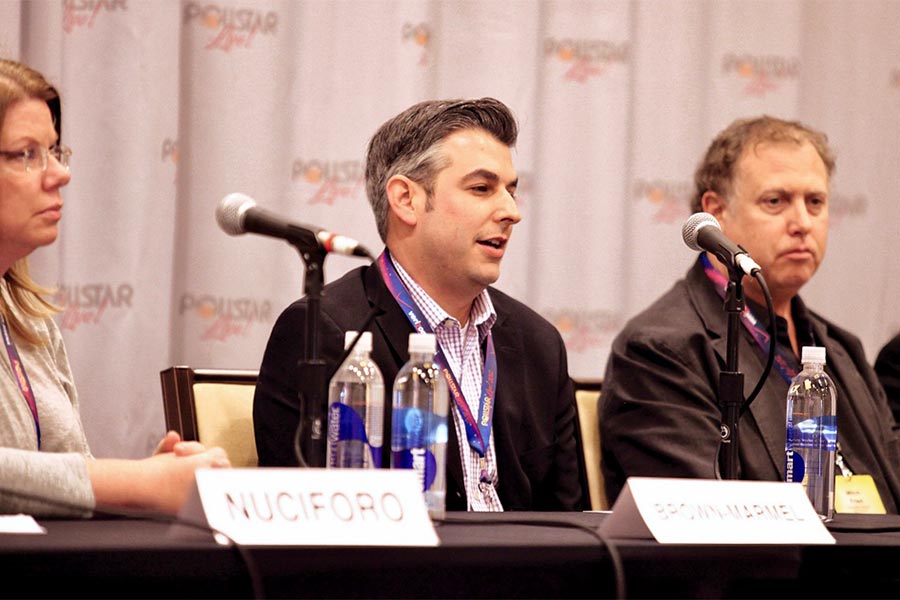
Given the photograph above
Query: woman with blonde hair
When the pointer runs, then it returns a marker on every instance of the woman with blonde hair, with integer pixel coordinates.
(46, 467)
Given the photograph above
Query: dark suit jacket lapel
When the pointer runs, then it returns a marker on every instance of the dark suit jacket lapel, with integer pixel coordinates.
(768, 408)
(391, 322)
(854, 415)
(508, 397)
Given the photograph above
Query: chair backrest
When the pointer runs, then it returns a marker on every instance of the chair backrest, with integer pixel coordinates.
(587, 396)
(212, 406)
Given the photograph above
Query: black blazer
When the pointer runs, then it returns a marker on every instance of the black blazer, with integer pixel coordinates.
(659, 414)
(534, 414)
(887, 366)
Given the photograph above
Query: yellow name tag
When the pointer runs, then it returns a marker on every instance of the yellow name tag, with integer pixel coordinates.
(857, 494)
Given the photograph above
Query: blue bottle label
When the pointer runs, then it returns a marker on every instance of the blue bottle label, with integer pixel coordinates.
(420, 460)
(345, 424)
(817, 434)
(829, 432)
(409, 444)
(795, 467)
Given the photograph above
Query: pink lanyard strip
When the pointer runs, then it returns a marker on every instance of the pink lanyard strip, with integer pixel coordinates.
(752, 324)
(21, 377)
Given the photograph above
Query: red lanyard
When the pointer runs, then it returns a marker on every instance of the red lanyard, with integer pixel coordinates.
(21, 377)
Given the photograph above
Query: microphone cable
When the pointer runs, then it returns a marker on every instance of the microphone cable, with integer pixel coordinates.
(250, 564)
(773, 333)
(605, 542)
(147, 515)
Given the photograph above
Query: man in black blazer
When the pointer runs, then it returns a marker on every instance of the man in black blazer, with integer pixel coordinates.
(767, 182)
(441, 183)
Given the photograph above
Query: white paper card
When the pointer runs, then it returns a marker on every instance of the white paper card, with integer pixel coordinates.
(315, 507)
(20, 524)
(706, 511)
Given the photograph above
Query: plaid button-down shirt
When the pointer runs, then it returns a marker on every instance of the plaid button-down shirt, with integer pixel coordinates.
(462, 349)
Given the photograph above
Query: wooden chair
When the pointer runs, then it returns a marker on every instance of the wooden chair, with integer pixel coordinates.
(587, 396)
(213, 406)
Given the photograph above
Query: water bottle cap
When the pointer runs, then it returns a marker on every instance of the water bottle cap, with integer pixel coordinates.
(363, 345)
(422, 343)
(813, 354)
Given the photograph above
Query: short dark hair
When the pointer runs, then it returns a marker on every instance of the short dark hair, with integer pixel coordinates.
(409, 144)
(716, 172)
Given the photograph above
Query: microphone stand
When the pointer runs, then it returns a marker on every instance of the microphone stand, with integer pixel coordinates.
(311, 370)
(731, 381)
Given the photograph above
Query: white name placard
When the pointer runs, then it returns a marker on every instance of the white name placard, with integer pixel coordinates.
(316, 507)
(705, 511)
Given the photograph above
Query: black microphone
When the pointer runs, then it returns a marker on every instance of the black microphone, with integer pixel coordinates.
(238, 213)
(702, 232)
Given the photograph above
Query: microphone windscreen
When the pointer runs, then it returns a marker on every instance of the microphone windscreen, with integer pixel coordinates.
(691, 228)
(230, 212)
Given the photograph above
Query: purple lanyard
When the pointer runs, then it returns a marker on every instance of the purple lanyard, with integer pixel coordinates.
(752, 323)
(21, 377)
(478, 432)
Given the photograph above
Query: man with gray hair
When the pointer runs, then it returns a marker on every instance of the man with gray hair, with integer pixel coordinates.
(442, 186)
(767, 182)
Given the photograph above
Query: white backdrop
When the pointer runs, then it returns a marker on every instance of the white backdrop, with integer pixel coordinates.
(170, 105)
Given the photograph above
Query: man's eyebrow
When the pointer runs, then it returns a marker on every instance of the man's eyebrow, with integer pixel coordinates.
(481, 174)
(488, 175)
(786, 191)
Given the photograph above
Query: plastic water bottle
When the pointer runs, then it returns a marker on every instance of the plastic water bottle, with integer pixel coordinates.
(356, 409)
(419, 426)
(812, 431)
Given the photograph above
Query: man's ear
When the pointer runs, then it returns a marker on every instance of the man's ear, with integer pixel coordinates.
(713, 203)
(401, 195)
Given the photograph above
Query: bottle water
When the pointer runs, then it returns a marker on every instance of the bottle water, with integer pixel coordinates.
(419, 426)
(356, 409)
(812, 431)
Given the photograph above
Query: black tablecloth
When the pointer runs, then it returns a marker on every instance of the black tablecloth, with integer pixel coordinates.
(481, 555)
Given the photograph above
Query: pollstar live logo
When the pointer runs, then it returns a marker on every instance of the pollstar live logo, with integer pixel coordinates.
(844, 206)
(225, 318)
(670, 199)
(418, 34)
(582, 330)
(763, 74)
(328, 180)
(169, 153)
(87, 303)
(586, 58)
(231, 27)
(84, 13)
(170, 150)
(525, 188)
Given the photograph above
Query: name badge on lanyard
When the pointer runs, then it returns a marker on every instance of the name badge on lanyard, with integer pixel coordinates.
(857, 494)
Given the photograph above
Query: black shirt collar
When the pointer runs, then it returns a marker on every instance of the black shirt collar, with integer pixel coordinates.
(802, 324)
